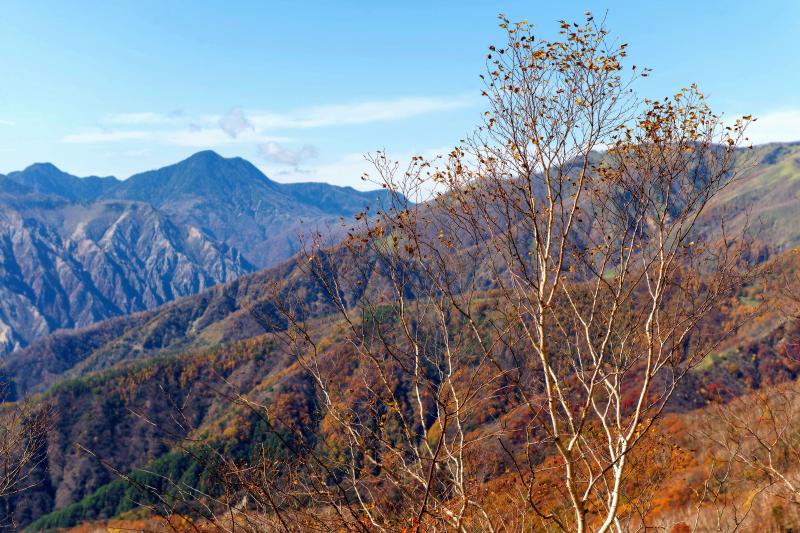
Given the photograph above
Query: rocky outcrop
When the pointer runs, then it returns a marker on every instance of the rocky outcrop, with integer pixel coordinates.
(65, 264)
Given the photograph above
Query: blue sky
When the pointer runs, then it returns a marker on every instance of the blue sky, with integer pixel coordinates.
(304, 89)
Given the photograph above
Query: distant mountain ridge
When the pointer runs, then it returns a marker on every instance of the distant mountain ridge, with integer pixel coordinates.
(246, 209)
(74, 251)
(223, 313)
(46, 178)
(104, 375)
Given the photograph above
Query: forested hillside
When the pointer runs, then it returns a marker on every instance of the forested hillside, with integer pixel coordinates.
(587, 320)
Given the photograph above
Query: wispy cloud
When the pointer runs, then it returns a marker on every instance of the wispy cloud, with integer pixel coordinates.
(257, 126)
(9, 123)
(190, 137)
(273, 151)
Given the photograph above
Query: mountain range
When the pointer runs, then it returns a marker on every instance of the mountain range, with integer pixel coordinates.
(116, 382)
(74, 251)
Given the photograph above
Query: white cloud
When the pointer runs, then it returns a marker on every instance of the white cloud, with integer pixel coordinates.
(273, 151)
(191, 137)
(9, 123)
(240, 126)
(776, 126)
(234, 122)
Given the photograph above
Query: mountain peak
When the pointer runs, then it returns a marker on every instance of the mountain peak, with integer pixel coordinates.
(45, 167)
(206, 157)
(206, 175)
(206, 154)
(46, 178)
(209, 161)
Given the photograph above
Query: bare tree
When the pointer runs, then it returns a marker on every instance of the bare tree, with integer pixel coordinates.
(507, 329)
(574, 213)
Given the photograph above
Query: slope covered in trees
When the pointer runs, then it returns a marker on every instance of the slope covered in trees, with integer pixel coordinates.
(556, 338)
(136, 416)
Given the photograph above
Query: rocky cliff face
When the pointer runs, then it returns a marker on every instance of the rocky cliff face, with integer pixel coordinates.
(238, 205)
(74, 251)
(66, 264)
